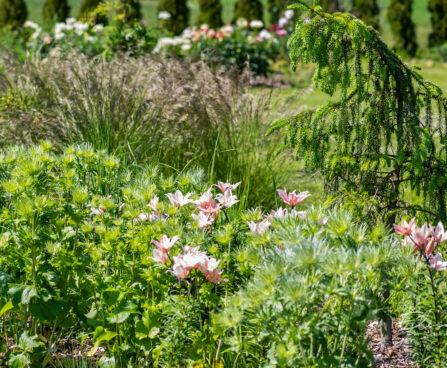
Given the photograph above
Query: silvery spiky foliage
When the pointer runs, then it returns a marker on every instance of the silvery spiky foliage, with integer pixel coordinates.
(385, 136)
(438, 9)
(55, 10)
(13, 13)
(399, 16)
(210, 13)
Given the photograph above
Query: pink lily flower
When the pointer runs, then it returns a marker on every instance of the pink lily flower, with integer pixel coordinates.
(179, 271)
(227, 199)
(421, 236)
(165, 244)
(293, 199)
(191, 258)
(178, 200)
(153, 204)
(405, 228)
(206, 203)
(302, 215)
(225, 186)
(259, 227)
(439, 234)
(98, 211)
(160, 256)
(436, 262)
(209, 267)
(142, 217)
(279, 213)
(203, 219)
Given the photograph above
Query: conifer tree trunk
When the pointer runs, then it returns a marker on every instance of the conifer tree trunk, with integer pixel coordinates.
(248, 9)
(210, 13)
(13, 13)
(178, 15)
(55, 9)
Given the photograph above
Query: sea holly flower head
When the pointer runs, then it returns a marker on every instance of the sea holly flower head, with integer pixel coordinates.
(436, 262)
(178, 199)
(227, 199)
(405, 228)
(293, 199)
(203, 219)
(159, 256)
(165, 244)
(225, 186)
(259, 227)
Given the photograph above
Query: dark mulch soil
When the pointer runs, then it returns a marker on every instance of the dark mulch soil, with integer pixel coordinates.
(398, 356)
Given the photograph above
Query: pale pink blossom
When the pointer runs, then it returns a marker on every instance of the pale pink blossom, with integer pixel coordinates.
(209, 267)
(281, 32)
(439, 234)
(225, 186)
(405, 228)
(203, 219)
(180, 271)
(153, 204)
(421, 236)
(191, 258)
(165, 244)
(227, 199)
(159, 256)
(98, 211)
(259, 227)
(293, 199)
(436, 262)
(178, 199)
(279, 213)
(142, 217)
(302, 216)
(122, 205)
(206, 203)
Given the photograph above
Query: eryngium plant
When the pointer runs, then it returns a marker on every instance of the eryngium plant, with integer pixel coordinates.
(312, 295)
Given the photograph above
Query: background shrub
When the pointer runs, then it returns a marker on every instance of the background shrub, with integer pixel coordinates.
(178, 15)
(438, 9)
(276, 8)
(248, 9)
(131, 11)
(399, 16)
(368, 11)
(87, 6)
(13, 13)
(210, 13)
(55, 10)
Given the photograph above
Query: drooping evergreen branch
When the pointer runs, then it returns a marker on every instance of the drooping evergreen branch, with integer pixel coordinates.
(387, 118)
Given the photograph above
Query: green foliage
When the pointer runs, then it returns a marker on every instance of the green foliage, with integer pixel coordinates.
(438, 9)
(309, 302)
(368, 11)
(210, 13)
(55, 10)
(248, 9)
(399, 16)
(131, 11)
(13, 13)
(385, 135)
(178, 15)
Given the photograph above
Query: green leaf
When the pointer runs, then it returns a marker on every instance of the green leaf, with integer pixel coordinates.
(102, 334)
(107, 362)
(19, 361)
(6, 308)
(28, 343)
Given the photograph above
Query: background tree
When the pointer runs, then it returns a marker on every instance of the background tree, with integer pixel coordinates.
(13, 13)
(210, 13)
(132, 10)
(399, 16)
(87, 6)
(179, 15)
(248, 9)
(276, 8)
(55, 9)
(368, 11)
(332, 6)
(438, 9)
(385, 139)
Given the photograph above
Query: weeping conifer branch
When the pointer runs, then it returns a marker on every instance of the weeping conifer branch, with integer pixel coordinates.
(386, 134)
